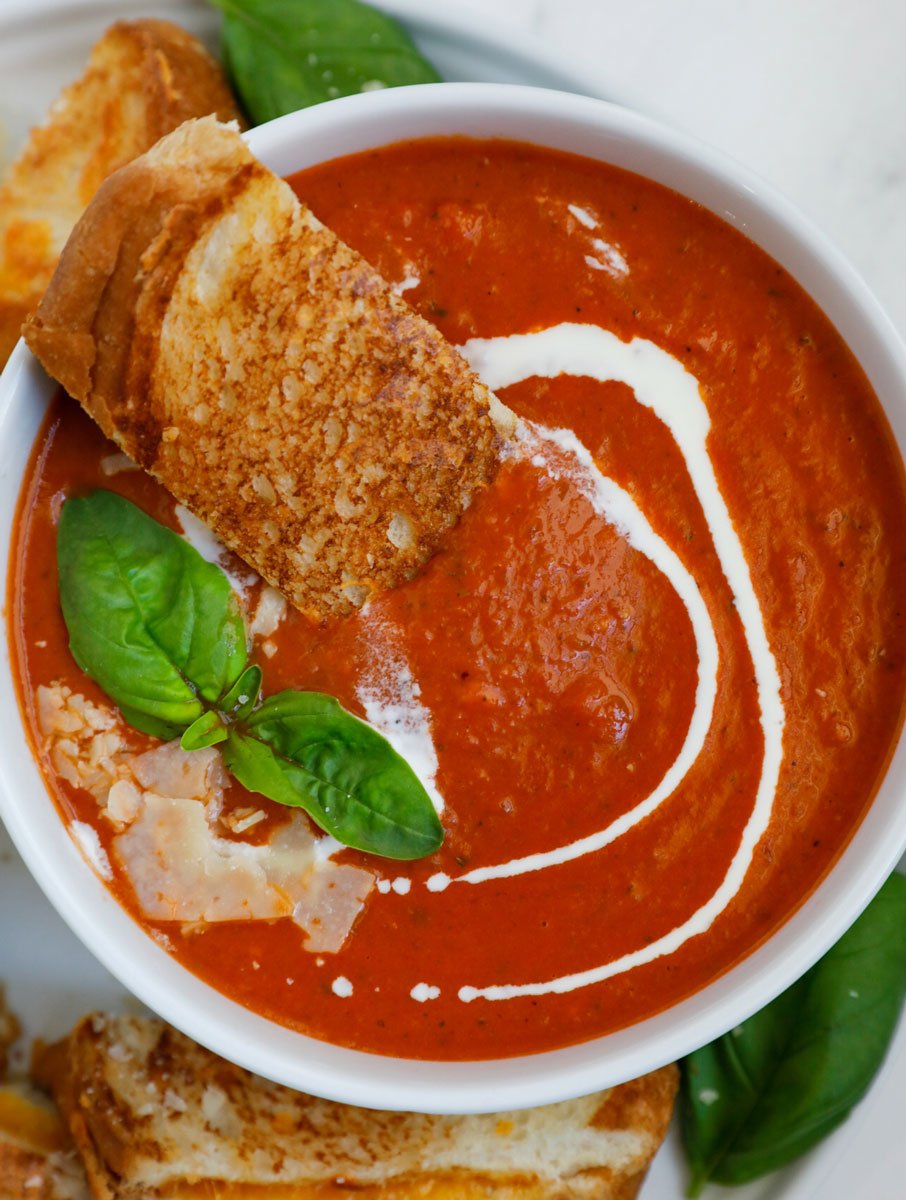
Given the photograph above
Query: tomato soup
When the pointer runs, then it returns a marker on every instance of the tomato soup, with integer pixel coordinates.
(651, 681)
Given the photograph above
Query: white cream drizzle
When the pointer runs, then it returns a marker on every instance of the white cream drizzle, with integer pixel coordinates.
(342, 987)
(608, 259)
(583, 216)
(423, 992)
(562, 456)
(401, 885)
(212, 549)
(391, 698)
(410, 280)
(661, 383)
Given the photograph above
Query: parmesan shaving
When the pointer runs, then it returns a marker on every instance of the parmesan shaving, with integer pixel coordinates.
(242, 819)
(113, 464)
(86, 743)
(86, 838)
(164, 804)
(180, 774)
(338, 896)
(124, 801)
(182, 871)
(270, 611)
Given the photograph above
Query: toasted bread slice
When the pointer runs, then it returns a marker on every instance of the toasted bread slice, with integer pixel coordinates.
(265, 373)
(143, 79)
(158, 1118)
(37, 1158)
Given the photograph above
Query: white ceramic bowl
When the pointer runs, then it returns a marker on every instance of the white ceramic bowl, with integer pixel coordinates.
(615, 135)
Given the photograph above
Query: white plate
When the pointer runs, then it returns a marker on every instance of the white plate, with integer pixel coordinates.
(52, 979)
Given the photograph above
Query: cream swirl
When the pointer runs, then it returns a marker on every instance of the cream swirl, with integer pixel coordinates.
(562, 456)
(660, 382)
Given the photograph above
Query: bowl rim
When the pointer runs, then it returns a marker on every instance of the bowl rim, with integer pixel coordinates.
(566, 121)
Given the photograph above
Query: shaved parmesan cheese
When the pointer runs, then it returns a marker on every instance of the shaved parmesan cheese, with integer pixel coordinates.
(242, 819)
(337, 895)
(89, 843)
(112, 464)
(86, 743)
(182, 871)
(269, 613)
(124, 801)
(333, 894)
(182, 774)
(60, 711)
(165, 803)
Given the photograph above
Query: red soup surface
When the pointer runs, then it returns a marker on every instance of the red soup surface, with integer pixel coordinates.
(664, 656)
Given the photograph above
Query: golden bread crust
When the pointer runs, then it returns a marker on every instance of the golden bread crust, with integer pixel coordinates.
(265, 373)
(143, 79)
(156, 1116)
(23, 1174)
(37, 1160)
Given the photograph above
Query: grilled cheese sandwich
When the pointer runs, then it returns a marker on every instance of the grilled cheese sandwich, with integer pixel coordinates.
(143, 79)
(157, 1117)
(37, 1158)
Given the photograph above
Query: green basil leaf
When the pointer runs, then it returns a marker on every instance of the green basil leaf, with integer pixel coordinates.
(283, 55)
(243, 695)
(165, 730)
(208, 730)
(766, 1092)
(157, 627)
(303, 749)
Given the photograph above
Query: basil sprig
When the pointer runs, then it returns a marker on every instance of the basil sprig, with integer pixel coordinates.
(161, 631)
(283, 55)
(768, 1091)
(300, 748)
(157, 627)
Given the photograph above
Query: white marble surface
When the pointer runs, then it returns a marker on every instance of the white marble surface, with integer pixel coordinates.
(809, 93)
